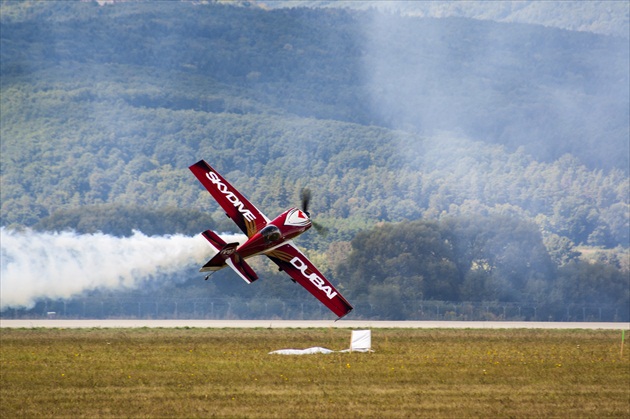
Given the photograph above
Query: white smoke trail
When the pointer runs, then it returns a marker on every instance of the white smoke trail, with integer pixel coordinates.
(62, 265)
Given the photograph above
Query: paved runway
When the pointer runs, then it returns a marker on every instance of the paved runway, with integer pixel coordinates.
(302, 324)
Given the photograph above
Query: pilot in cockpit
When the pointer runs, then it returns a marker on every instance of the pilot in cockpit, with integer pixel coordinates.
(271, 233)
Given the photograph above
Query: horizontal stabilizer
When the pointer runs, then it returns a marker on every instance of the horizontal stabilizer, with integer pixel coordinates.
(214, 239)
(218, 261)
(228, 256)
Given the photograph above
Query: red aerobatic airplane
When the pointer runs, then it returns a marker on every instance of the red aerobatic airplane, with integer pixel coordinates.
(268, 237)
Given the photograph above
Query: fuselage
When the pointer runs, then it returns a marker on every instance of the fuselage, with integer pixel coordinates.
(277, 232)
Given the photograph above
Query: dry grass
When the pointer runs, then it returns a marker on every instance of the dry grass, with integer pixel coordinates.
(228, 372)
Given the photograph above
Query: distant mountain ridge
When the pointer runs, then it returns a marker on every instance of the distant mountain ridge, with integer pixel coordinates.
(603, 17)
(550, 91)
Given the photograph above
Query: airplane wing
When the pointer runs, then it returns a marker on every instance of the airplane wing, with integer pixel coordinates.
(291, 260)
(248, 218)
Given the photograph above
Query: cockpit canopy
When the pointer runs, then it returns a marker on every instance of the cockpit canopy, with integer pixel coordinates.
(271, 233)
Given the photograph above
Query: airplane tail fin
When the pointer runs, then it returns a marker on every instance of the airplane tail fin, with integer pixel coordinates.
(215, 241)
(227, 256)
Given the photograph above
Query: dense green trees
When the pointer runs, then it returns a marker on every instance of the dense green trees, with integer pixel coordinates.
(392, 271)
(139, 157)
(122, 221)
(494, 259)
(470, 259)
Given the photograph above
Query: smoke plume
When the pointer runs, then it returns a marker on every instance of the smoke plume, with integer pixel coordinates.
(38, 265)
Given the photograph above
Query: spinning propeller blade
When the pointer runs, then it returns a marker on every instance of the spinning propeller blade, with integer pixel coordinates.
(306, 199)
(305, 195)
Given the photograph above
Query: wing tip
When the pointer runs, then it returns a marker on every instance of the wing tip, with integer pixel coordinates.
(345, 314)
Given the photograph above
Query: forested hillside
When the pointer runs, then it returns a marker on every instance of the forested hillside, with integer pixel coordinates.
(504, 145)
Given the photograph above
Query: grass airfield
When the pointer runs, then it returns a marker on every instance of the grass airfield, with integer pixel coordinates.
(203, 372)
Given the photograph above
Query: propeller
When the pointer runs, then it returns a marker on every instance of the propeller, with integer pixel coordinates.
(305, 195)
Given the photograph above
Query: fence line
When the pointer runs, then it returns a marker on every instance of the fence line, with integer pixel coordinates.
(233, 308)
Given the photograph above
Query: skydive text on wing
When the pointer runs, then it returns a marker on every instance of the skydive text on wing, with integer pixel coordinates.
(247, 214)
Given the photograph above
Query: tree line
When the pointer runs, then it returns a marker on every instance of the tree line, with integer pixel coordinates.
(398, 270)
(497, 259)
